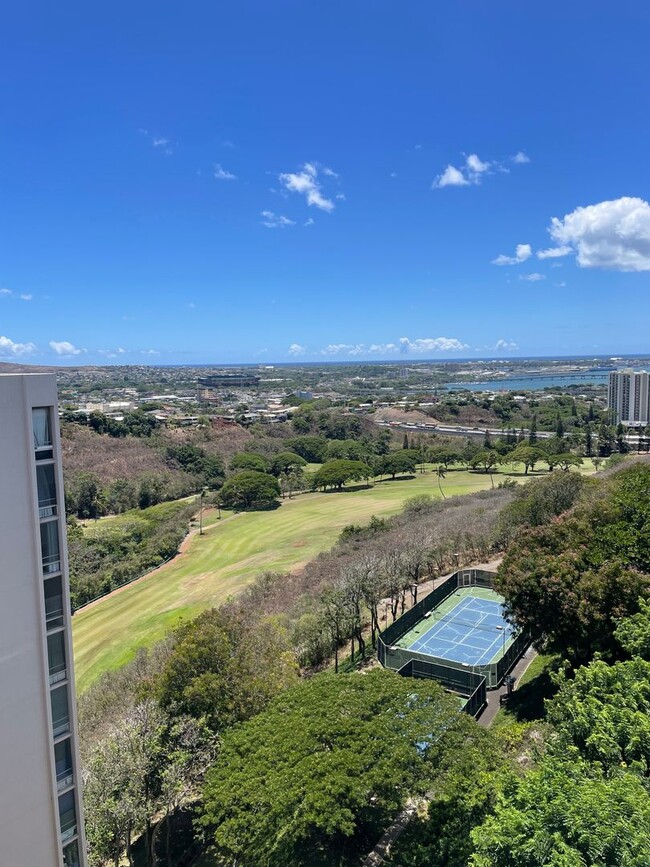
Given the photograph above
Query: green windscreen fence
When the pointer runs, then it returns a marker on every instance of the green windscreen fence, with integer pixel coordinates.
(471, 687)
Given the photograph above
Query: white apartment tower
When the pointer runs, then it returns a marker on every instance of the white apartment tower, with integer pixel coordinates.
(41, 822)
(629, 397)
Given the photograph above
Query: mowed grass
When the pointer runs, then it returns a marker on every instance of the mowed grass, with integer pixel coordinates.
(232, 553)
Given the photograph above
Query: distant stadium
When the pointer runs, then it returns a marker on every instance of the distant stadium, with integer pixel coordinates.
(457, 635)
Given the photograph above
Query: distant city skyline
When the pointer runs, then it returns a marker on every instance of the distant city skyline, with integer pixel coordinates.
(264, 183)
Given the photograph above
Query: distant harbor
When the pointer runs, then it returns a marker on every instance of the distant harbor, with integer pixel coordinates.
(534, 382)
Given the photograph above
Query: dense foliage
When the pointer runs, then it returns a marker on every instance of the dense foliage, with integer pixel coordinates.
(122, 548)
(313, 779)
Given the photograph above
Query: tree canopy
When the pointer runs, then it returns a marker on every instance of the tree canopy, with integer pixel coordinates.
(566, 814)
(250, 490)
(568, 582)
(334, 474)
(323, 769)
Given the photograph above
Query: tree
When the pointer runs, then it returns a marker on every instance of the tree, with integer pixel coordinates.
(87, 496)
(137, 776)
(604, 712)
(286, 463)
(250, 490)
(249, 461)
(311, 448)
(589, 444)
(225, 668)
(526, 455)
(568, 583)
(324, 768)
(334, 474)
(564, 461)
(403, 461)
(440, 473)
(532, 433)
(541, 500)
(633, 633)
(559, 427)
(566, 814)
(487, 459)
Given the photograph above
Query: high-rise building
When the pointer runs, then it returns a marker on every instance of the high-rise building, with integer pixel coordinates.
(41, 822)
(629, 397)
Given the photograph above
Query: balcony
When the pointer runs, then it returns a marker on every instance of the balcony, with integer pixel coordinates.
(50, 551)
(42, 433)
(60, 711)
(63, 764)
(46, 485)
(54, 611)
(67, 816)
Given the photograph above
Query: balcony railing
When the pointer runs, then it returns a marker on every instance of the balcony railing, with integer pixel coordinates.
(54, 615)
(68, 828)
(61, 726)
(51, 563)
(58, 673)
(64, 780)
(47, 508)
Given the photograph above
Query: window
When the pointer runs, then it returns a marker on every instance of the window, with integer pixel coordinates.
(46, 490)
(56, 657)
(50, 547)
(67, 816)
(63, 764)
(41, 428)
(53, 602)
(60, 711)
(71, 855)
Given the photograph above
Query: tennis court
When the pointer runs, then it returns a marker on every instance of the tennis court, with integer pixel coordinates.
(468, 628)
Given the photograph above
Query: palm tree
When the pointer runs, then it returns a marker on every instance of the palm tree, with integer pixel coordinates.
(441, 472)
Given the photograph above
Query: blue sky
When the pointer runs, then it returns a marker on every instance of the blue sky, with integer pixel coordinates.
(266, 181)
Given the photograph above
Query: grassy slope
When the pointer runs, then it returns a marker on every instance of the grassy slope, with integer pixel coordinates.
(230, 555)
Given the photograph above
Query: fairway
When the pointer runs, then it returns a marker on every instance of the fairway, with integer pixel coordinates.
(231, 554)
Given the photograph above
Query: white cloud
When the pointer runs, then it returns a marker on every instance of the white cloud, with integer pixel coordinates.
(275, 221)
(520, 158)
(475, 165)
(451, 177)
(505, 344)
(554, 252)
(5, 292)
(297, 349)
(309, 222)
(222, 174)
(431, 344)
(25, 297)
(112, 353)
(9, 348)
(305, 182)
(157, 141)
(64, 347)
(614, 234)
(561, 284)
(149, 352)
(329, 172)
(532, 278)
(522, 252)
(344, 349)
(471, 174)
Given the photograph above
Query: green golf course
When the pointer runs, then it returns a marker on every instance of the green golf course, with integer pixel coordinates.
(233, 551)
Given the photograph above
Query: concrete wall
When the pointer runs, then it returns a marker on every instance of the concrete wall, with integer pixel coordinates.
(29, 825)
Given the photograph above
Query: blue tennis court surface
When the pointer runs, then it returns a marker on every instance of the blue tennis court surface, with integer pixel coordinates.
(474, 631)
